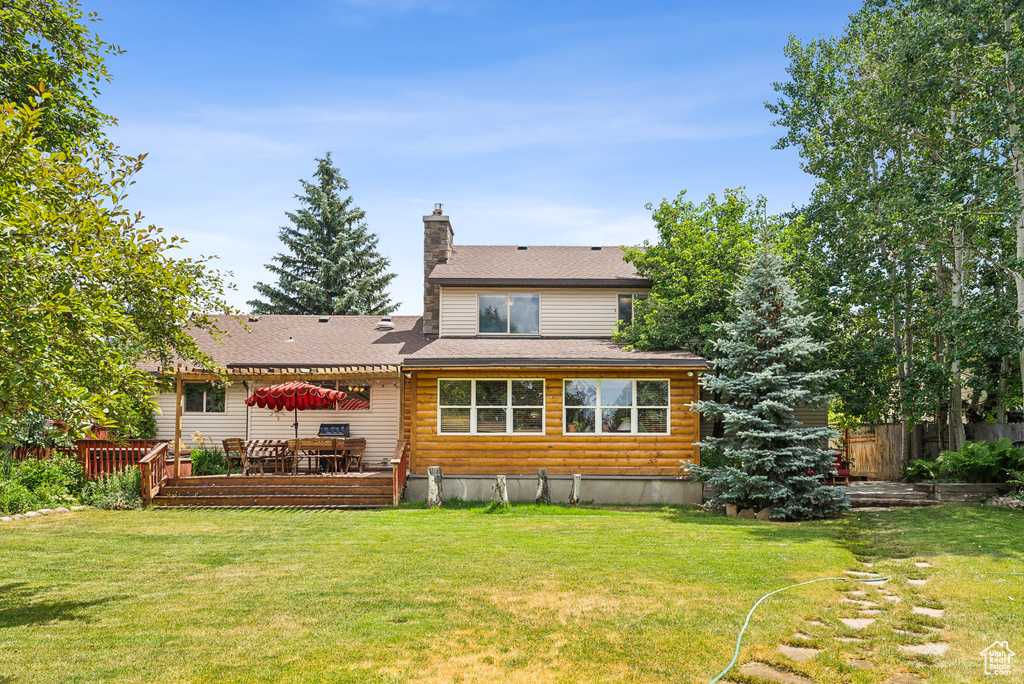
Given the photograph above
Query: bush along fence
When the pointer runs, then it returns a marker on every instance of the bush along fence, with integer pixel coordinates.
(99, 457)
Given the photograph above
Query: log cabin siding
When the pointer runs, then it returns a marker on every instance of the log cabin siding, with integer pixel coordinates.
(564, 312)
(561, 454)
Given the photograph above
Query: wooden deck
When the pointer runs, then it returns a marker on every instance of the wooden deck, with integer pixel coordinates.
(372, 489)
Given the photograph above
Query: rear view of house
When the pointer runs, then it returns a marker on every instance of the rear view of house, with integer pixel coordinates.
(511, 368)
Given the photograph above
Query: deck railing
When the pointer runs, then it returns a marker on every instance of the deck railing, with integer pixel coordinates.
(98, 456)
(154, 471)
(399, 469)
(102, 457)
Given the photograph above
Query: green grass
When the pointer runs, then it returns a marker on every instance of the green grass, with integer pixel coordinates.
(536, 594)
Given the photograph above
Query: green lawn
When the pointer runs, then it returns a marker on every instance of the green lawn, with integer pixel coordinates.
(533, 595)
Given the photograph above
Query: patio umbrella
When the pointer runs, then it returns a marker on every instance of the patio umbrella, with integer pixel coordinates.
(295, 396)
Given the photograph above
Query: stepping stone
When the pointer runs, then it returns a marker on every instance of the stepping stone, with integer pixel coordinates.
(6, 519)
(797, 654)
(856, 573)
(61, 510)
(904, 679)
(870, 612)
(869, 565)
(917, 583)
(926, 649)
(856, 623)
(930, 612)
(815, 622)
(771, 674)
(18, 516)
(801, 636)
(865, 604)
(921, 564)
(848, 640)
(891, 598)
(32, 514)
(861, 664)
(858, 593)
(45, 511)
(78, 508)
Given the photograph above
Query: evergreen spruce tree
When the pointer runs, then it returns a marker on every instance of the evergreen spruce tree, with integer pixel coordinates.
(333, 267)
(766, 362)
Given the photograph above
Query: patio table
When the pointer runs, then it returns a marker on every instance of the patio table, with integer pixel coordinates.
(259, 451)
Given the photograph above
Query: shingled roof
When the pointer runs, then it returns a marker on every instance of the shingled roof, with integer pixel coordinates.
(545, 266)
(310, 341)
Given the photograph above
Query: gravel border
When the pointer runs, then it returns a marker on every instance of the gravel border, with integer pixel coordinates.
(41, 511)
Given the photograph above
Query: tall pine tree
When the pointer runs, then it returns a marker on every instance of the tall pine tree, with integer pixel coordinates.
(333, 266)
(767, 363)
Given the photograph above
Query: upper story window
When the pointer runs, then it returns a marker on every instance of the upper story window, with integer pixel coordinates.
(490, 406)
(616, 406)
(203, 398)
(509, 314)
(626, 302)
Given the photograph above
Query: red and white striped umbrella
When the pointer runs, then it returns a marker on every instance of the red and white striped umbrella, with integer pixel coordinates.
(295, 396)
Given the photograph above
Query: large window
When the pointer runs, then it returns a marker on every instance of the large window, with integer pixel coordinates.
(480, 407)
(357, 397)
(203, 398)
(615, 407)
(627, 303)
(509, 314)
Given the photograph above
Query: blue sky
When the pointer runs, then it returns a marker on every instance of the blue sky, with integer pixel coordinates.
(533, 122)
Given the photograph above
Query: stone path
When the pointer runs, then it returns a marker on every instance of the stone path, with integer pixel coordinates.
(864, 608)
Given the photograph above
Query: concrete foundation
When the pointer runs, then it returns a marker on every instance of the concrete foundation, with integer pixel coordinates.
(599, 489)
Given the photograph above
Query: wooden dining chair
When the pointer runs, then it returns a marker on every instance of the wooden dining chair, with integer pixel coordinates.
(354, 453)
(234, 452)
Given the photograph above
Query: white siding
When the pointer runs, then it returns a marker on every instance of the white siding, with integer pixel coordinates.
(564, 312)
(379, 425)
(217, 426)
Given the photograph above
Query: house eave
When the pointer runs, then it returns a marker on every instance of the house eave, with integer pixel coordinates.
(610, 283)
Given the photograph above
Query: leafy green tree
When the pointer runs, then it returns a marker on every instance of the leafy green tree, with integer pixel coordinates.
(909, 121)
(333, 266)
(45, 42)
(87, 291)
(767, 368)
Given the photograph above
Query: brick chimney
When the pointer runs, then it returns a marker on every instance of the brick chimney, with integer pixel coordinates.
(437, 248)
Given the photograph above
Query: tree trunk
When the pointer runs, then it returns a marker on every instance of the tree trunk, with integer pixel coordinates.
(543, 490)
(1018, 180)
(574, 493)
(500, 488)
(1004, 371)
(435, 496)
(956, 397)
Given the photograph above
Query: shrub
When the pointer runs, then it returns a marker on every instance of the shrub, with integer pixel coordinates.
(116, 491)
(16, 498)
(208, 461)
(976, 462)
(54, 473)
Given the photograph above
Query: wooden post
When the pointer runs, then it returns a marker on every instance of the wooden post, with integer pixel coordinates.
(178, 398)
(574, 495)
(543, 490)
(500, 488)
(435, 496)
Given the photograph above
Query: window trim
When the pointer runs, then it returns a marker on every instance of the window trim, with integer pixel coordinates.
(633, 413)
(632, 306)
(509, 407)
(184, 402)
(508, 315)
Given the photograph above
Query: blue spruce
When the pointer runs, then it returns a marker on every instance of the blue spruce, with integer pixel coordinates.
(768, 365)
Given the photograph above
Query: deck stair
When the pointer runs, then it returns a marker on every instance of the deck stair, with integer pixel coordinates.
(363, 490)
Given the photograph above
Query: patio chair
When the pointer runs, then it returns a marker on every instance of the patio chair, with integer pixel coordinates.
(234, 452)
(260, 451)
(354, 453)
(840, 469)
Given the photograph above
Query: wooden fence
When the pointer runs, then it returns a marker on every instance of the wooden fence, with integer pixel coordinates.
(877, 453)
(97, 456)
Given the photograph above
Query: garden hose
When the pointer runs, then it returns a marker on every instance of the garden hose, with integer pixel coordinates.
(746, 622)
